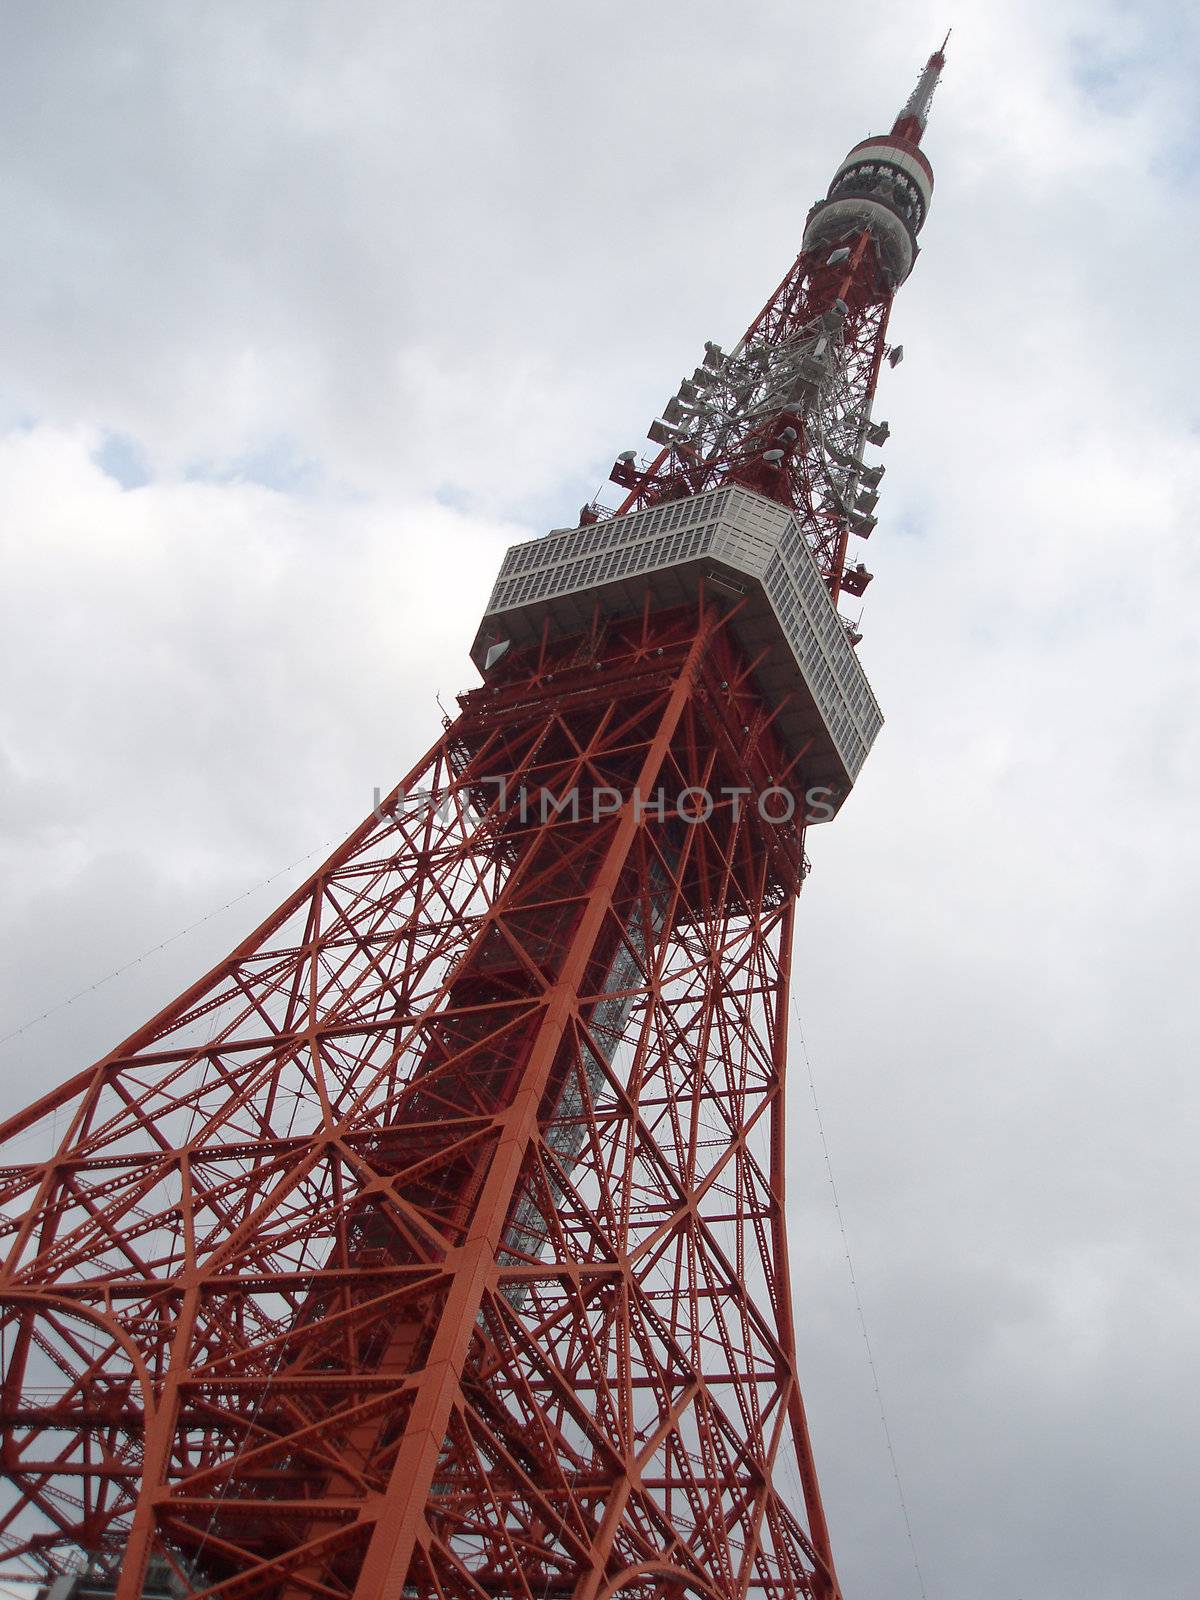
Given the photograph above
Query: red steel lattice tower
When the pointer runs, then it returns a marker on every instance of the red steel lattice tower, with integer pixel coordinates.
(432, 1245)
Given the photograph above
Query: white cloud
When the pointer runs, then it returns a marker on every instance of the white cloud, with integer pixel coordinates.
(332, 275)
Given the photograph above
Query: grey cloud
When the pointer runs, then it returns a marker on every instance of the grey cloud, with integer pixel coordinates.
(397, 260)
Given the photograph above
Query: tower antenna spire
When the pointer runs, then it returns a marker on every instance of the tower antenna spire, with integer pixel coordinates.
(914, 114)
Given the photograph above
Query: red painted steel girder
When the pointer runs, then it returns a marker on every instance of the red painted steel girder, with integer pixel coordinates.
(433, 1244)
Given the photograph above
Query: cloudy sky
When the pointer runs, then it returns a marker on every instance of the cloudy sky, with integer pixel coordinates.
(308, 310)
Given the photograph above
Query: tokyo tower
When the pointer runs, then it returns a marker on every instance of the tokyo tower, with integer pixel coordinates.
(432, 1246)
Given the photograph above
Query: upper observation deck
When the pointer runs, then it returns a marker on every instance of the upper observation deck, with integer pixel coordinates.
(747, 550)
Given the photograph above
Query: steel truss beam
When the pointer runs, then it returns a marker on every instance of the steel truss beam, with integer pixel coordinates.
(433, 1243)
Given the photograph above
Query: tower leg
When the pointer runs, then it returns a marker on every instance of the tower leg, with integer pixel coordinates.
(433, 1245)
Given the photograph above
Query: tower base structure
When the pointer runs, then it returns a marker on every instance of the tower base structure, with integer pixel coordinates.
(433, 1244)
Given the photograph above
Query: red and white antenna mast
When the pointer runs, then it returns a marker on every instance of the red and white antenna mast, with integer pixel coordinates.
(788, 411)
(910, 124)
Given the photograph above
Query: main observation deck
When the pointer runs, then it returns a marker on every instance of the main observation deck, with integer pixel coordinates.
(744, 547)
